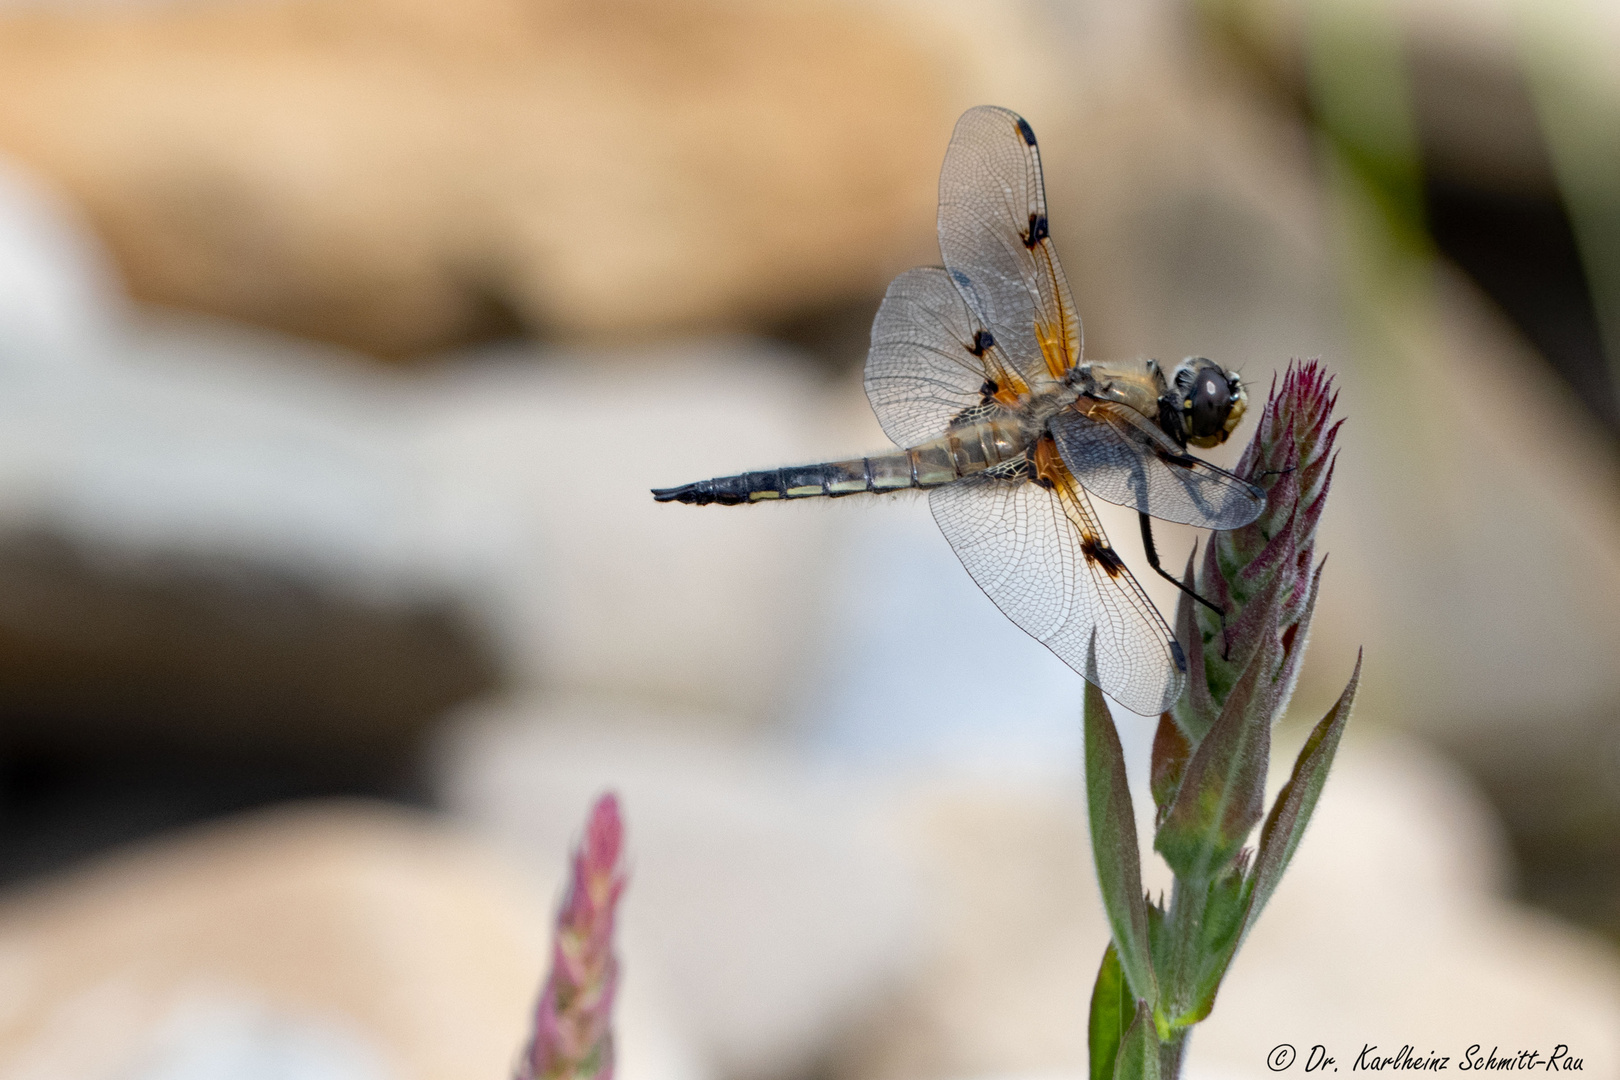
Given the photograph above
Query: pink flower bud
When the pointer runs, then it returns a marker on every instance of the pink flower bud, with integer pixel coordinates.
(573, 1023)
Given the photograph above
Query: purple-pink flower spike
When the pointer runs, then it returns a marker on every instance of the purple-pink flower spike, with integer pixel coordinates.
(573, 1024)
(1264, 575)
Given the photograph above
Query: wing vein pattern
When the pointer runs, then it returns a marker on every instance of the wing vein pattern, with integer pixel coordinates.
(924, 370)
(1022, 544)
(995, 238)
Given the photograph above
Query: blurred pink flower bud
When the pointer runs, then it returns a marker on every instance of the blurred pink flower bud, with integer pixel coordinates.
(573, 1023)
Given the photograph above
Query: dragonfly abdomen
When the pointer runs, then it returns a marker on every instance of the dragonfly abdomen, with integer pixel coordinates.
(890, 472)
(961, 452)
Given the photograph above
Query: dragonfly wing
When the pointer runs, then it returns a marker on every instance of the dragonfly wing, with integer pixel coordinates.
(932, 361)
(995, 238)
(1028, 548)
(1121, 458)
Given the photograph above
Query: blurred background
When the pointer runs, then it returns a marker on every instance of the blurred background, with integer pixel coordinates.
(341, 340)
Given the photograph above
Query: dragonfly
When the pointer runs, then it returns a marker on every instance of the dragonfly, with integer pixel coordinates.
(976, 373)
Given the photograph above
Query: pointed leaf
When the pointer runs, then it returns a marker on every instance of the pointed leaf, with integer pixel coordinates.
(1159, 944)
(1170, 753)
(1113, 846)
(1285, 825)
(1139, 1049)
(1294, 639)
(1112, 1009)
(1222, 794)
(1220, 932)
(1195, 710)
(1254, 630)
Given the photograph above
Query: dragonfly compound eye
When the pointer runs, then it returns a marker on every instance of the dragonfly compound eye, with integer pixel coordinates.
(1207, 401)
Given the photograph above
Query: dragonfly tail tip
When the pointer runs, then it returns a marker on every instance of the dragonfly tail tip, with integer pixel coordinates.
(686, 493)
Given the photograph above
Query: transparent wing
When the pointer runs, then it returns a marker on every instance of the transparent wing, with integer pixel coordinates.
(1027, 548)
(929, 361)
(1121, 458)
(994, 235)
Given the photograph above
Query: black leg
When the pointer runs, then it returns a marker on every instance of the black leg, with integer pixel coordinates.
(1153, 561)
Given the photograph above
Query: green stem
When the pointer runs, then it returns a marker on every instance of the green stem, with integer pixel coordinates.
(1183, 923)
(1188, 900)
(1172, 1052)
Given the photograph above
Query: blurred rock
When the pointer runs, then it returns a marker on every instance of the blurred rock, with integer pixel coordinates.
(218, 552)
(59, 294)
(1389, 928)
(537, 466)
(762, 891)
(226, 537)
(206, 551)
(397, 175)
(329, 942)
(106, 648)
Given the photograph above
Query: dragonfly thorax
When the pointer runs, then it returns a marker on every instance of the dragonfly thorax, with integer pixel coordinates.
(1139, 384)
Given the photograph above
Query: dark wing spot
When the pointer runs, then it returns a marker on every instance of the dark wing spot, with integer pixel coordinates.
(988, 390)
(982, 340)
(1026, 131)
(1102, 555)
(1038, 230)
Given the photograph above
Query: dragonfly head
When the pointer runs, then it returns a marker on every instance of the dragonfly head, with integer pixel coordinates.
(1211, 400)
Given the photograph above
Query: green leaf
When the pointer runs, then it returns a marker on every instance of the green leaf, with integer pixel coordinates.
(1170, 753)
(1139, 1049)
(1220, 931)
(1113, 846)
(1235, 902)
(1195, 710)
(1159, 943)
(1111, 1011)
(1285, 825)
(1222, 793)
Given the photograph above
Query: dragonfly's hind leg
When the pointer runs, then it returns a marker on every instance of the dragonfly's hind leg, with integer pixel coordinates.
(1153, 561)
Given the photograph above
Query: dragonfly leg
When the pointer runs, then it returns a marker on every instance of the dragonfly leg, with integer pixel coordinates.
(1153, 561)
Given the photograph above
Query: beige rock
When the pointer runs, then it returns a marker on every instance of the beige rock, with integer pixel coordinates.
(537, 478)
(337, 940)
(392, 174)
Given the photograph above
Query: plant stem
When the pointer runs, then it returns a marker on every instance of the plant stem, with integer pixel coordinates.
(1187, 901)
(1172, 1053)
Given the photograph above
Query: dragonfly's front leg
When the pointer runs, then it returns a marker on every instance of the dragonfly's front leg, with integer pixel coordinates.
(1153, 561)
